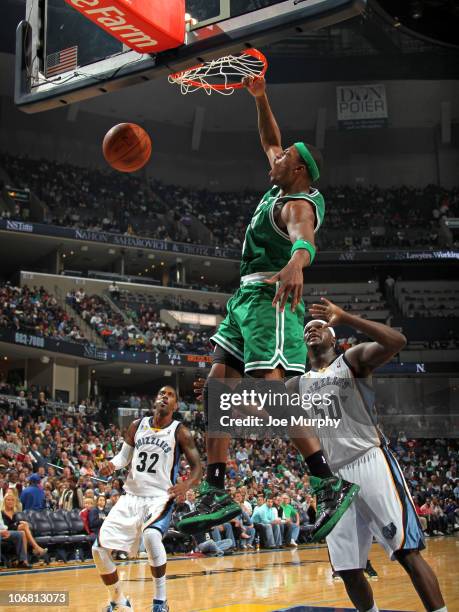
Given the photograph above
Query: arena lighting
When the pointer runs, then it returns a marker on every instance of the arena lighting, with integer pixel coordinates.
(151, 256)
(44, 359)
(167, 373)
(416, 9)
(111, 251)
(127, 371)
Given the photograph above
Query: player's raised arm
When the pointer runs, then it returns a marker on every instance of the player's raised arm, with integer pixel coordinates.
(270, 135)
(188, 447)
(365, 357)
(124, 457)
(299, 221)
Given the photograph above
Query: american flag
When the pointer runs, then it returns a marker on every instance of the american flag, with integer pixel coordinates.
(61, 61)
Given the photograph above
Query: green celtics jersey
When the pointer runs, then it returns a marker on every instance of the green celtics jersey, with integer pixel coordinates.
(266, 247)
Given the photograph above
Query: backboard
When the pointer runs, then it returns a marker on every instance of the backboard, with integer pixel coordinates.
(62, 58)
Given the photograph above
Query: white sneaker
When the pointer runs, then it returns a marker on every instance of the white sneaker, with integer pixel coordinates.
(143, 555)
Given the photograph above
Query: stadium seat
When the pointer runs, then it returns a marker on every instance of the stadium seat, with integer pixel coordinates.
(61, 527)
(41, 526)
(78, 533)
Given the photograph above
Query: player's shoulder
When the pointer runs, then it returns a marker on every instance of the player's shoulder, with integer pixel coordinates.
(136, 423)
(271, 193)
(315, 196)
(183, 434)
(312, 197)
(180, 428)
(140, 424)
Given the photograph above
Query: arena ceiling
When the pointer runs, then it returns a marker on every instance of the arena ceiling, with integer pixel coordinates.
(374, 47)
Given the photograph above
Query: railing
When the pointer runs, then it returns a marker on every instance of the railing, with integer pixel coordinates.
(89, 333)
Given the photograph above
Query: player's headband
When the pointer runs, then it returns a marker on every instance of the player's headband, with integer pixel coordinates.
(308, 325)
(308, 159)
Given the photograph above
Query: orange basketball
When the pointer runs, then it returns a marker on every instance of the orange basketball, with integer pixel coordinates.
(127, 147)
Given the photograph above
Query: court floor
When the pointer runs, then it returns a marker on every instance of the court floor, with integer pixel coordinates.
(297, 581)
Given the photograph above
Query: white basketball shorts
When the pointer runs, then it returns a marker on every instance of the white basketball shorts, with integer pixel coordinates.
(383, 509)
(126, 521)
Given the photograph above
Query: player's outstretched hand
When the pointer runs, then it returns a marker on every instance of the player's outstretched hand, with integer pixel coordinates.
(290, 281)
(106, 468)
(333, 314)
(255, 85)
(198, 387)
(179, 489)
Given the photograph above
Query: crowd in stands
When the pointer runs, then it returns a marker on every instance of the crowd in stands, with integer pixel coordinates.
(143, 332)
(372, 217)
(50, 463)
(34, 311)
(357, 217)
(139, 307)
(132, 323)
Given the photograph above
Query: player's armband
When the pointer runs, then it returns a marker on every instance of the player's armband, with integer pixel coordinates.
(124, 457)
(304, 244)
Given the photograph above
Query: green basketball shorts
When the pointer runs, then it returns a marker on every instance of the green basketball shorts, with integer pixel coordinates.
(261, 335)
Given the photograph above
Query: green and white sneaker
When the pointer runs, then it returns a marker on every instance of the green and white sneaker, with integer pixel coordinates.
(213, 507)
(334, 496)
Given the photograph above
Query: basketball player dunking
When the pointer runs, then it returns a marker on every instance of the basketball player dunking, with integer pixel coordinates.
(383, 508)
(262, 334)
(152, 446)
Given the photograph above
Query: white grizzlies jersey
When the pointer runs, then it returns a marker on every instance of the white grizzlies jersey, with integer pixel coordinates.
(347, 398)
(154, 465)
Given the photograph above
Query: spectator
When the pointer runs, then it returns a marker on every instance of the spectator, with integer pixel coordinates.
(190, 497)
(33, 496)
(114, 291)
(88, 505)
(292, 522)
(114, 497)
(10, 507)
(205, 545)
(243, 526)
(18, 539)
(265, 519)
(97, 514)
(72, 495)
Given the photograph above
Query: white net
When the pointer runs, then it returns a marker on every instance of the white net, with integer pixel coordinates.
(223, 75)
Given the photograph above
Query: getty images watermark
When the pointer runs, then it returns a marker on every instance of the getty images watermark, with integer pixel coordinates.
(249, 401)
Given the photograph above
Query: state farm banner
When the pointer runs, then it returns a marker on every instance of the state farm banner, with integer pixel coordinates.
(361, 106)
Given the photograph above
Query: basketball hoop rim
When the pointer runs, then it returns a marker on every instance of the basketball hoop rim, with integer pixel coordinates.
(221, 86)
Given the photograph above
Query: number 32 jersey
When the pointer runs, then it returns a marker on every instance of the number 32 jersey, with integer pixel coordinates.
(155, 462)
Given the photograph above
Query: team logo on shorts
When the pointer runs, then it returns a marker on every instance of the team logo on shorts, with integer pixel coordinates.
(389, 531)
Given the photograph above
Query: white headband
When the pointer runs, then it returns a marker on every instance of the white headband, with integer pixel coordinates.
(332, 331)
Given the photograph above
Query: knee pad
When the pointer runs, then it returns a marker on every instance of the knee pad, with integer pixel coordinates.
(153, 540)
(103, 559)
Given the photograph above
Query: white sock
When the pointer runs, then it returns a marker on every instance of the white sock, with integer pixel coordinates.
(444, 609)
(374, 608)
(116, 594)
(160, 591)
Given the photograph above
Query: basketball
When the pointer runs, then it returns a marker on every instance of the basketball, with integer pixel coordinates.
(127, 147)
